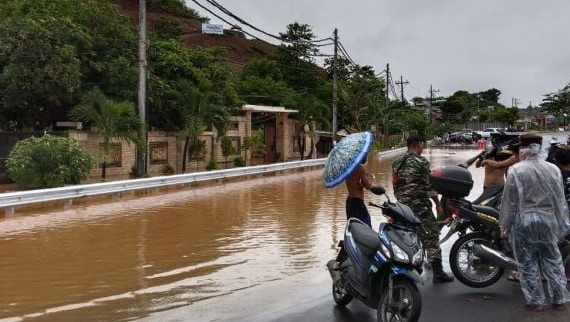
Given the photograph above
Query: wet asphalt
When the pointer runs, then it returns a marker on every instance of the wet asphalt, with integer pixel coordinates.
(308, 298)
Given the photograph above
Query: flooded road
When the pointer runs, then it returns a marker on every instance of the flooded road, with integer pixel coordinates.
(134, 259)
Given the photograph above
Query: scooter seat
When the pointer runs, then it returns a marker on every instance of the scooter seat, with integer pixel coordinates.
(366, 238)
(487, 210)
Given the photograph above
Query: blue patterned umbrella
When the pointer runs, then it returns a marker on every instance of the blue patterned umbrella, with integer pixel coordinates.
(345, 157)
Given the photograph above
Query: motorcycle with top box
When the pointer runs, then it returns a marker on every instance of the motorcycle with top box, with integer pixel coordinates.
(477, 257)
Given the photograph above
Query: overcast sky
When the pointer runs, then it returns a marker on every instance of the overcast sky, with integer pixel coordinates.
(521, 47)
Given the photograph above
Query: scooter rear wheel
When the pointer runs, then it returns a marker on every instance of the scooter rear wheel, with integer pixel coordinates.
(340, 297)
(468, 268)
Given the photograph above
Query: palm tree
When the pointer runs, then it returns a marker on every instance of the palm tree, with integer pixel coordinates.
(254, 144)
(111, 121)
(200, 108)
(312, 111)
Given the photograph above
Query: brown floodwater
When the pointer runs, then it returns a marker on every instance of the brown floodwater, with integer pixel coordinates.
(130, 259)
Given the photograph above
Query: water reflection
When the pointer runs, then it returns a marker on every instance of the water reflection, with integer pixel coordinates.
(127, 259)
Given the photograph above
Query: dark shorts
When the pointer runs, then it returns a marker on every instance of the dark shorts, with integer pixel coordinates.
(355, 208)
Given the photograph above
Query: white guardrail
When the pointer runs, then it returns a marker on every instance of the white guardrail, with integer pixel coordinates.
(9, 200)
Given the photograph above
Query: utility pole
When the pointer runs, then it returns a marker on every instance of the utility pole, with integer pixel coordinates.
(386, 98)
(402, 83)
(335, 90)
(141, 155)
(431, 91)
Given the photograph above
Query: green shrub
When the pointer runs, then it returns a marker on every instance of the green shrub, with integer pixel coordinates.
(177, 7)
(48, 161)
(239, 162)
(212, 165)
(167, 29)
(167, 169)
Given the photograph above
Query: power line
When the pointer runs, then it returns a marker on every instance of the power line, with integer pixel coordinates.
(345, 53)
(245, 32)
(231, 14)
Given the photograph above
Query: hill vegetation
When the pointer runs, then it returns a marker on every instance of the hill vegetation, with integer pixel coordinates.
(54, 54)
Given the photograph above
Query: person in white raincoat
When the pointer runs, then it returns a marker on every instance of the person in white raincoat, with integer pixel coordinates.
(534, 216)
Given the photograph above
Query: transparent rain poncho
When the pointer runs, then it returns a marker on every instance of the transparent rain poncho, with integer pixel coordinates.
(535, 213)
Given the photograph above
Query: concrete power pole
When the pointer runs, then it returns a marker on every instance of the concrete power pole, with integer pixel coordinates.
(141, 155)
(386, 98)
(335, 89)
(431, 91)
(402, 83)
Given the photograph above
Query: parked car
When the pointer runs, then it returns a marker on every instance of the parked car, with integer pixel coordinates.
(486, 133)
(467, 134)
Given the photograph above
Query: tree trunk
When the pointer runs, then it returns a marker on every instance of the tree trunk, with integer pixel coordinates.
(303, 144)
(185, 153)
(103, 170)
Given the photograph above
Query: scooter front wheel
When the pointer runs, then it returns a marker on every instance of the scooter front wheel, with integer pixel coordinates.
(406, 304)
(340, 297)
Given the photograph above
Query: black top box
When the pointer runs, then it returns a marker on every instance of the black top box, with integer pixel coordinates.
(451, 181)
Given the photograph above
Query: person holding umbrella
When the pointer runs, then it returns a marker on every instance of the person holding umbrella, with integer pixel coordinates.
(355, 184)
(345, 163)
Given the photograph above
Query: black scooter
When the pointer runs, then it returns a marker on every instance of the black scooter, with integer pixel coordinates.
(381, 269)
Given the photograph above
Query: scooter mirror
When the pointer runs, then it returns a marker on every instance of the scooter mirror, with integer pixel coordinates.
(378, 190)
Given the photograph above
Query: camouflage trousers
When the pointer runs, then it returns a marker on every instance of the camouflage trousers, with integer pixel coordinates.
(429, 234)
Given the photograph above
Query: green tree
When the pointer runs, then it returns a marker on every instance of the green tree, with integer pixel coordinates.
(417, 124)
(261, 82)
(111, 121)
(166, 28)
(458, 106)
(197, 150)
(50, 53)
(557, 103)
(490, 96)
(172, 64)
(361, 90)
(200, 109)
(48, 161)
(228, 148)
(254, 144)
(295, 58)
(297, 42)
(177, 7)
(505, 115)
(312, 113)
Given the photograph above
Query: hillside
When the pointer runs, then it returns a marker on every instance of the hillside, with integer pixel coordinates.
(239, 50)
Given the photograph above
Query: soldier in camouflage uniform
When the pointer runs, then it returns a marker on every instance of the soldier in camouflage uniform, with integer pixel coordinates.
(410, 176)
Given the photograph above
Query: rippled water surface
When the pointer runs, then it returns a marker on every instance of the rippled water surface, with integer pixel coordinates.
(127, 259)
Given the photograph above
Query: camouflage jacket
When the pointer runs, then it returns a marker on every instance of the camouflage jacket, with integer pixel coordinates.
(411, 181)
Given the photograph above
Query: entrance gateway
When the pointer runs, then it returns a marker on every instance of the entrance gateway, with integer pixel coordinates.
(279, 131)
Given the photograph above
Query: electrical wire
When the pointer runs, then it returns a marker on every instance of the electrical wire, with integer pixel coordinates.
(231, 14)
(345, 53)
(245, 32)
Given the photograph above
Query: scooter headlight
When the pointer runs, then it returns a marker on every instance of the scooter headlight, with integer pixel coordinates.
(418, 258)
(399, 254)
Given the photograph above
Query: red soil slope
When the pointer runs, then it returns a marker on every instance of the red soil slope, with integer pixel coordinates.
(238, 49)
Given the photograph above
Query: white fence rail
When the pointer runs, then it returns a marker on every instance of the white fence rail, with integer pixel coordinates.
(11, 199)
